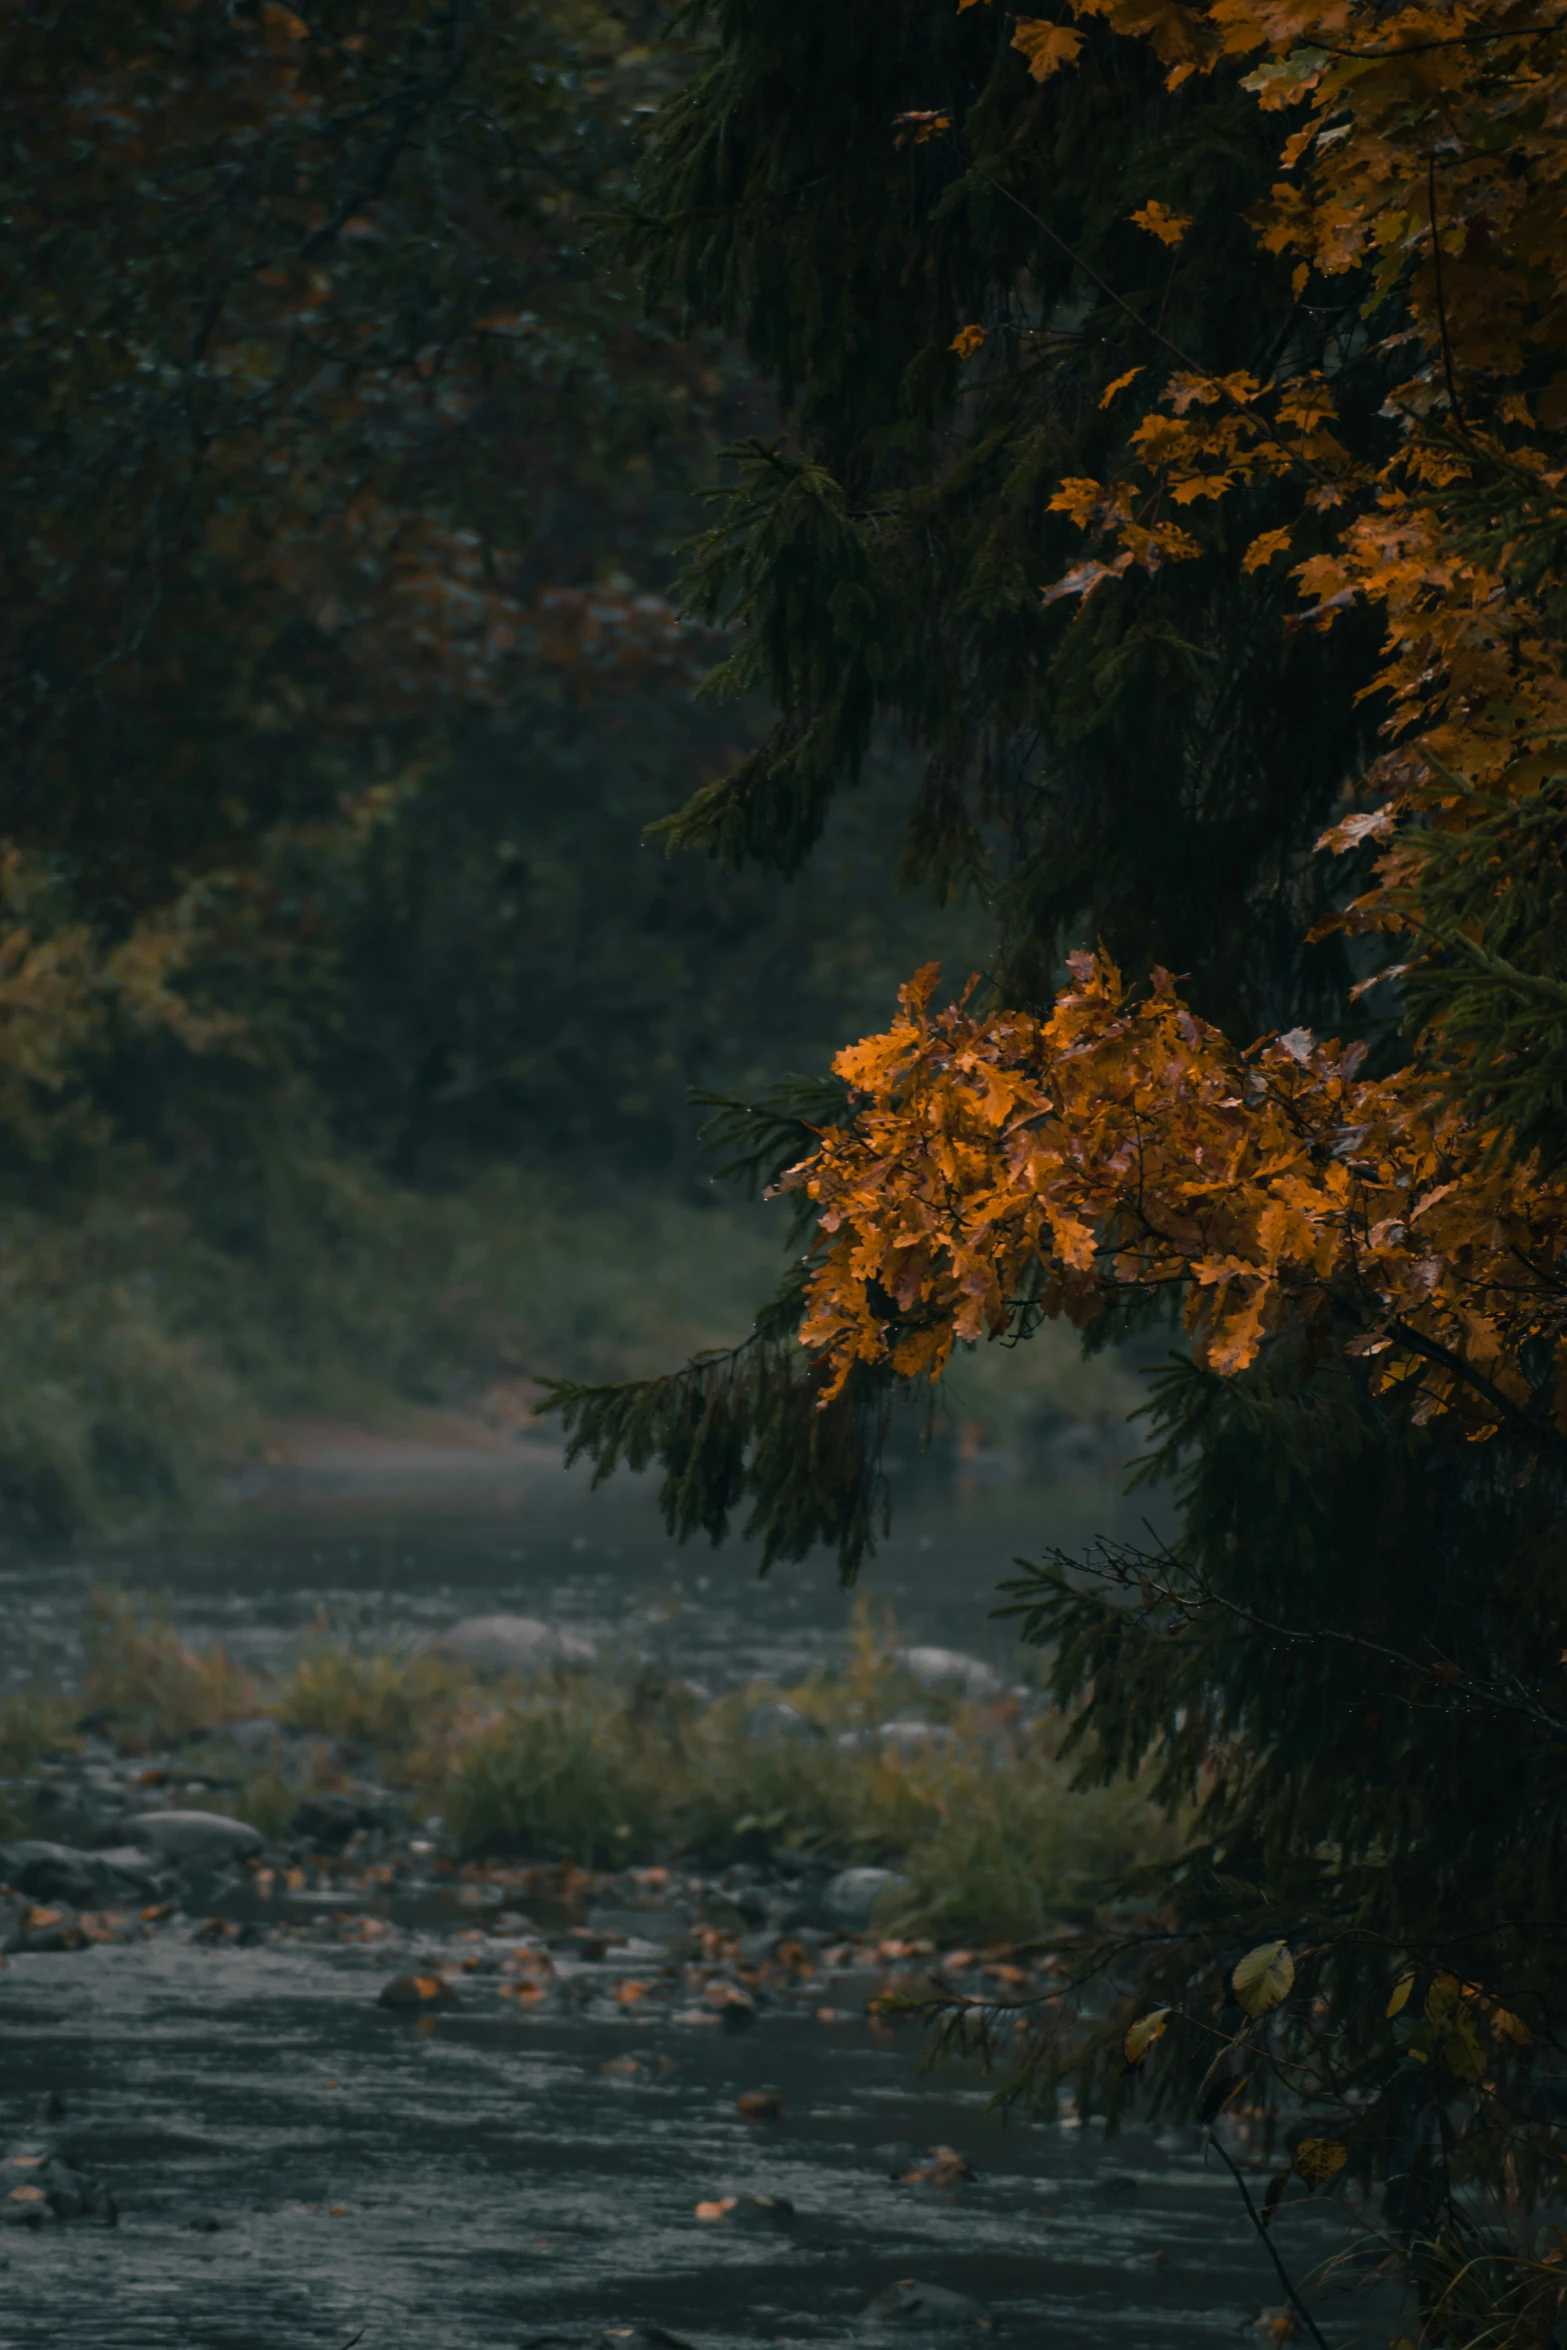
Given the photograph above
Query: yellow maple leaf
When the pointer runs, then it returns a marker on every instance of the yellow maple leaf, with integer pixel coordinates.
(1263, 549)
(1169, 227)
(967, 341)
(1047, 46)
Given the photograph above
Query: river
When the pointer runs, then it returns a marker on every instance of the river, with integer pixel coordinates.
(295, 2166)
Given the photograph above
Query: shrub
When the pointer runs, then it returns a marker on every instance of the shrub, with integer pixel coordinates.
(153, 1689)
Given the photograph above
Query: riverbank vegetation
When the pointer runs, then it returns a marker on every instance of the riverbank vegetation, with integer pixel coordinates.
(964, 1800)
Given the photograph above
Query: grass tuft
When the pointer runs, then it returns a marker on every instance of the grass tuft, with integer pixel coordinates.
(601, 1769)
(151, 1688)
(387, 1699)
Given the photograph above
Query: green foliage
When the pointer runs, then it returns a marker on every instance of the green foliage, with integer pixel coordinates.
(602, 1767)
(1489, 987)
(381, 1698)
(33, 1724)
(519, 976)
(141, 1354)
(746, 1427)
(1147, 765)
(152, 1688)
(564, 1777)
(1015, 1850)
(982, 1827)
(1347, 1666)
(111, 1409)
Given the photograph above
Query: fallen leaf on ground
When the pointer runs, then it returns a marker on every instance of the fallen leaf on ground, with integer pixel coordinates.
(943, 2166)
(416, 1991)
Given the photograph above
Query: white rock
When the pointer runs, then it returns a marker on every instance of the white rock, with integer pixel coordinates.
(936, 1668)
(204, 1838)
(512, 1644)
(852, 1894)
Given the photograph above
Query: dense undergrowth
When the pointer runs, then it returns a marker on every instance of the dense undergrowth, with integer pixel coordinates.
(144, 1355)
(142, 1358)
(615, 1765)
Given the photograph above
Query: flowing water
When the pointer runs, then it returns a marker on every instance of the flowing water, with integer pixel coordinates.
(295, 2166)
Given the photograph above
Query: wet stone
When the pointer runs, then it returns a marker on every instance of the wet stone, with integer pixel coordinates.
(59, 1872)
(927, 2309)
(38, 2185)
(669, 1924)
(414, 1994)
(198, 1839)
(851, 1896)
(326, 1822)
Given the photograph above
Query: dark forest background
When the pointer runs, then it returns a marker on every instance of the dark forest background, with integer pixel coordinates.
(351, 1018)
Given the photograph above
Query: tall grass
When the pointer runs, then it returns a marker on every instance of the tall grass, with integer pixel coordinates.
(139, 1354)
(150, 1687)
(982, 1825)
(141, 1345)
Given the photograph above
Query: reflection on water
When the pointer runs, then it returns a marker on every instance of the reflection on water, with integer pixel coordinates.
(292, 2163)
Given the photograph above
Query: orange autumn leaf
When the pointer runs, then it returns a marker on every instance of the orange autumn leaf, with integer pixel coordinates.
(1007, 1166)
(1471, 671)
(1048, 47)
(1169, 227)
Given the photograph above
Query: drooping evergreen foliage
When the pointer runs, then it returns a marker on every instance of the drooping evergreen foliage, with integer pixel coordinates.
(1348, 1661)
(1152, 767)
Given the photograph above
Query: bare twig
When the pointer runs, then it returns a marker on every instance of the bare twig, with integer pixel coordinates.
(1252, 2213)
